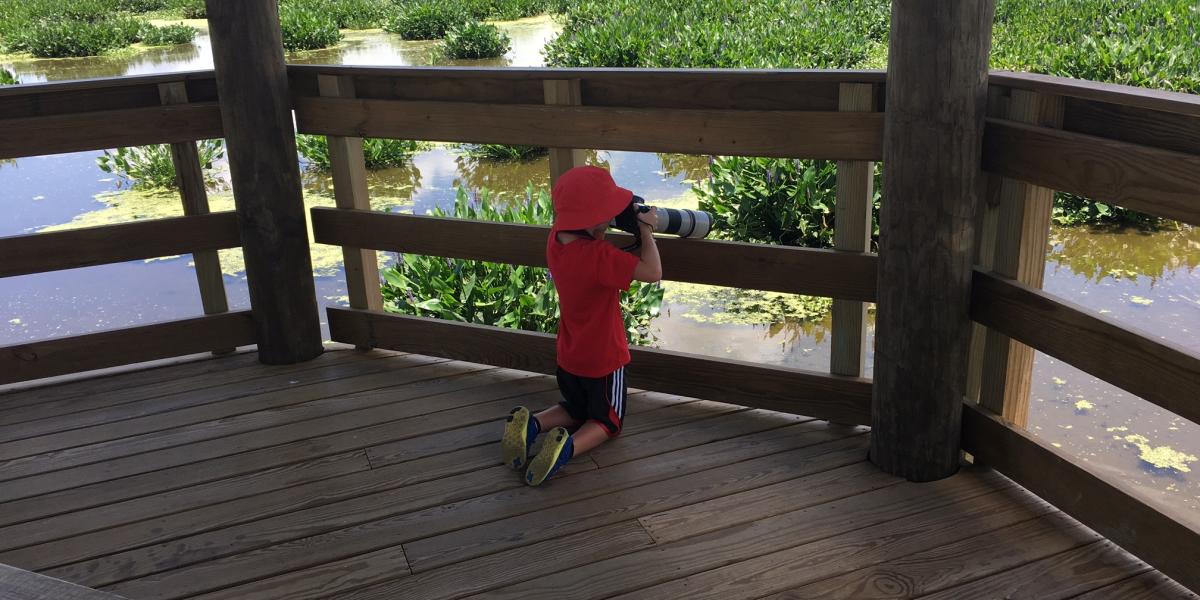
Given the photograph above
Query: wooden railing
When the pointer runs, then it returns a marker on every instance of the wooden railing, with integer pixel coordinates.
(1134, 148)
(89, 115)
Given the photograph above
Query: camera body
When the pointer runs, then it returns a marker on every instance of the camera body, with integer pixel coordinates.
(683, 223)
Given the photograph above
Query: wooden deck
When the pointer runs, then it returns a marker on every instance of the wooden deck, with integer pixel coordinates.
(376, 475)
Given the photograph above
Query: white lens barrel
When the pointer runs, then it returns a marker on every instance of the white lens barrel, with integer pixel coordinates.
(684, 223)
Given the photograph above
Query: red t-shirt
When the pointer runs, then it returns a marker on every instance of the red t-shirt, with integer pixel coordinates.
(589, 275)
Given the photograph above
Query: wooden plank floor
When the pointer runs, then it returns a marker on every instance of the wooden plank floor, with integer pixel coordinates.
(376, 475)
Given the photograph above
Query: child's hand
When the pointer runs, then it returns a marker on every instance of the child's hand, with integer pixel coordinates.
(649, 219)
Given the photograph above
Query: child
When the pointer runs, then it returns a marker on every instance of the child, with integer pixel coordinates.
(589, 274)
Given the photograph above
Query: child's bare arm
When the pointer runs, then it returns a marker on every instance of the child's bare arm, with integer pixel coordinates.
(649, 267)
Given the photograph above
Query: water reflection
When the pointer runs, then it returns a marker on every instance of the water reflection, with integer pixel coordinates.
(1097, 254)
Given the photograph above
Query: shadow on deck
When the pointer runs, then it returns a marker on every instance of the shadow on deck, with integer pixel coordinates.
(376, 475)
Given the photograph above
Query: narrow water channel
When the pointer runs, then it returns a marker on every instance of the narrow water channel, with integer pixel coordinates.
(1148, 280)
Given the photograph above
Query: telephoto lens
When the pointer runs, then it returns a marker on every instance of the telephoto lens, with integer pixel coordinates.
(681, 222)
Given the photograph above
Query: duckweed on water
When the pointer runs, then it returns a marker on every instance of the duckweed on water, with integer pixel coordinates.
(1082, 406)
(744, 307)
(1161, 457)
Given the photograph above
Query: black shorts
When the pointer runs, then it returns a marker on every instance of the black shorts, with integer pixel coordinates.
(599, 399)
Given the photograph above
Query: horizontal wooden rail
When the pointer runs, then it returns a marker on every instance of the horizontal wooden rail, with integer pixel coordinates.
(74, 248)
(1149, 531)
(59, 356)
(1151, 180)
(101, 94)
(796, 134)
(831, 273)
(1148, 98)
(76, 132)
(840, 399)
(1158, 371)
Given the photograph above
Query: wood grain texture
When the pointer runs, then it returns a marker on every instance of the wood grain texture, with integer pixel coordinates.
(90, 246)
(18, 584)
(1147, 586)
(852, 232)
(793, 134)
(75, 132)
(194, 194)
(1149, 531)
(1173, 102)
(1157, 370)
(106, 93)
(1142, 178)
(1169, 131)
(603, 73)
(1022, 229)
(56, 356)
(563, 92)
(849, 275)
(350, 192)
(836, 398)
(927, 225)
(260, 144)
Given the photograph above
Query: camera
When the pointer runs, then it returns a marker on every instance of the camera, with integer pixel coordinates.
(683, 223)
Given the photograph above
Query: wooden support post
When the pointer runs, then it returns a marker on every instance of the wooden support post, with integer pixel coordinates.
(852, 231)
(350, 192)
(261, 144)
(933, 133)
(1021, 233)
(563, 91)
(190, 177)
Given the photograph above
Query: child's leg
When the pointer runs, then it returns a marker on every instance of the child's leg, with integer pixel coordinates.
(589, 435)
(557, 416)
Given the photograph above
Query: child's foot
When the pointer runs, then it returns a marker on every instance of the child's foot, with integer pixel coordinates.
(556, 451)
(519, 433)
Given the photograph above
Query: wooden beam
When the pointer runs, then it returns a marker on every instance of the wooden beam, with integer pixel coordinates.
(261, 146)
(563, 92)
(852, 232)
(1156, 370)
(76, 132)
(1155, 533)
(90, 246)
(839, 399)
(19, 584)
(1150, 180)
(350, 192)
(931, 149)
(1126, 95)
(795, 134)
(100, 94)
(189, 174)
(1022, 232)
(58, 356)
(1158, 129)
(810, 271)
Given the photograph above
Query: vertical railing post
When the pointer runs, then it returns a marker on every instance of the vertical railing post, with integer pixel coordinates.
(852, 232)
(563, 92)
(1018, 250)
(252, 84)
(190, 177)
(351, 193)
(933, 132)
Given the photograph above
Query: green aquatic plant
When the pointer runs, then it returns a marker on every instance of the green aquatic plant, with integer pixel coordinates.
(167, 35)
(189, 9)
(378, 153)
(7, 78)
(146, 167)
(475, 40)
(425, 20)
(70, 37)
(514, 296)
(306, 27)
(503, 152)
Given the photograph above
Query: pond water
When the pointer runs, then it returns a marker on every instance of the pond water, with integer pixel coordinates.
(1147, 280)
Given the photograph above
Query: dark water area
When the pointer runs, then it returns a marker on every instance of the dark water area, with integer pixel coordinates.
(1146, 280)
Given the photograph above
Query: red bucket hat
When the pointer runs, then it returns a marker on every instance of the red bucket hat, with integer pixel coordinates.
(587, 196)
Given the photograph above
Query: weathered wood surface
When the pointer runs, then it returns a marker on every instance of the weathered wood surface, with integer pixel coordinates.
(1146, 179)
(1158, 534)
(56, 356)
(350, 191)
(1157, 129)
(817, 272)
(1157, 370)
(261, 147)
(19, 584)
(75, 132)
(100, 94)
(841, 399)
(852, 232)
(1139, 97)
(90, 246)
(936, 103)
(377, 475)
(796, 134)
(563, 92)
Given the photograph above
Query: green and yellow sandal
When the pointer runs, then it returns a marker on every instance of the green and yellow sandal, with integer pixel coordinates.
(556, 451)
(519, 434)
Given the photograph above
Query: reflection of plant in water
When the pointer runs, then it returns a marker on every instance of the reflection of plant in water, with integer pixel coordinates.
(1125, 253)
(394, 186)
(686, 166)
(724, 305)
(152, 166)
